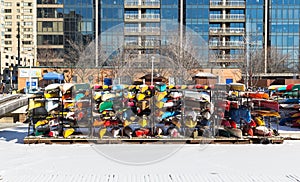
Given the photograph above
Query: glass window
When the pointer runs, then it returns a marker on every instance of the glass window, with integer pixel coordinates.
(169, 13)
(169, 2)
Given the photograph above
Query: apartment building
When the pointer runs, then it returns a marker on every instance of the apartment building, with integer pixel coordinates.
(50, 31)
(18, 37)
(232, 29)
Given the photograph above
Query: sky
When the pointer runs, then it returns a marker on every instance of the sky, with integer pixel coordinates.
(145, 162)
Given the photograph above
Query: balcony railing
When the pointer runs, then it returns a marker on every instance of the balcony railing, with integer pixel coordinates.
(151, 43)
(227, 43)
(131, 3)
(215, 30)
(230, 57)
(145, 43)
(143, 3)
(227, 17)
(143, 17)
(227, 3)
(131, 16)
(151, 3)
(131, 43)
(143, 30)
(131, 29)
(150, 16)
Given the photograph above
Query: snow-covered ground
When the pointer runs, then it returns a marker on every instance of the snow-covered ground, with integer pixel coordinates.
(146, 162)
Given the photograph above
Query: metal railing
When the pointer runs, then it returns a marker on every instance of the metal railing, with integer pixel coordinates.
(226, 30)
(14, 102)
(143, 29)
(226, 43)
(150, 16)
(227, 3)
(145, 43)
(227, 16)
(143, 3)
(143, 16)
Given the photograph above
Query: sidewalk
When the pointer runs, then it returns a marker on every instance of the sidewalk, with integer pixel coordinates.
(288, 132)
(10, 125)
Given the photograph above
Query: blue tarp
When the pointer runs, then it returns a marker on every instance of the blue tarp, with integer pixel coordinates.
(53, 76)
(241, 113)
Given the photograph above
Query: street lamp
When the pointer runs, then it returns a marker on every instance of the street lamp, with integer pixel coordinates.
(152, 68)
(11, 68)
(30, 57)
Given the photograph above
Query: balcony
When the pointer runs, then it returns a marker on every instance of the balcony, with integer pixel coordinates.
(226, 31)
(228, 58)
(146, 44)
(227, 18)
(144, 18)
(150, 4)
(226, 45)
(151, 17)
(143, 4)
(131, 4)
(218, 4)
(142, 31)
(131, 16)
(50, 6)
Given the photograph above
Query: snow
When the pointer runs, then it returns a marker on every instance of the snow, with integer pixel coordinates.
(145, 162)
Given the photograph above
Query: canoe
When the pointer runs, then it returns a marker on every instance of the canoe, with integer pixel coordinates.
(35, 104)
(223, 132)
(107, 96)
(190, 123)
(68, 132)
(293, 93)
(161, 95)
(237, 86)
(265, 113)
(143, 122)
(67, 87)
(53, 86)
(40, 123)
(175, 95)
(270, 104)
(235, 132)
(107, 105)
(282, 88)
(51, 95)
(51, 104)
(143, 88)
(295, 115)
(275, 87)
(296, 87)
(161, 87)
(79, 96)
(262, 131)
(142, 132)
(140, 96)
(97, 95)
(257, 95)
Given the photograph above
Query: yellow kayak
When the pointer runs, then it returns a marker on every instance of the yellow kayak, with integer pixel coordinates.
(265, 113)
(35, 104)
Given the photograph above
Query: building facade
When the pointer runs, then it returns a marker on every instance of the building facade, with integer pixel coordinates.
(259, 36)
(18, 37)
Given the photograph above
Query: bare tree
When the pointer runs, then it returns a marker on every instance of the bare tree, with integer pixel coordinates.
(54, 61)
(80, 57)
(49, 58)
(277, 61)
(188, 56)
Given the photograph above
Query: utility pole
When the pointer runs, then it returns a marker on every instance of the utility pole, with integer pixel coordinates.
(19, 43)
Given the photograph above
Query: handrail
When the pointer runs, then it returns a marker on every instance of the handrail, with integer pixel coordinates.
(13, 105)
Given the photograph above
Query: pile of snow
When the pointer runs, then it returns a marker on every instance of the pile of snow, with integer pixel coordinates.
(147, 162)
